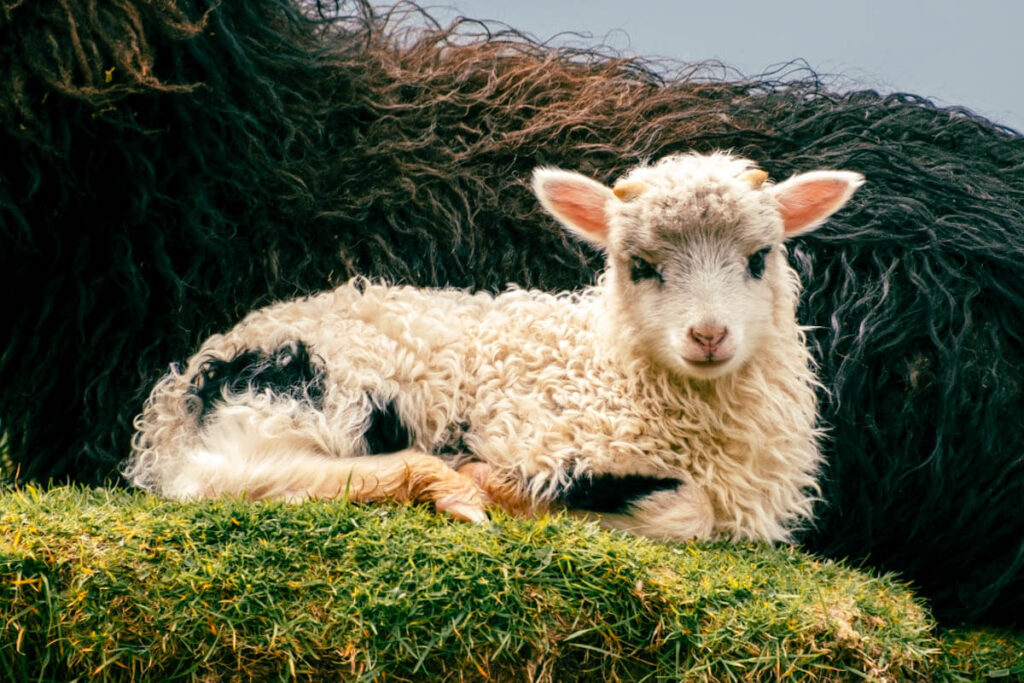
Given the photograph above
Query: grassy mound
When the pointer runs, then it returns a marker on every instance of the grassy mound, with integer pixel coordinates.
(102, 584)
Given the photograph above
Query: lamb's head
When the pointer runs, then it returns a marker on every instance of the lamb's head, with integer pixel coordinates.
(697, 274)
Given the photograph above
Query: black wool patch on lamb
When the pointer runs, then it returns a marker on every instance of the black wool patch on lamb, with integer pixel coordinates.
(386, 433)
(609, 493)
(288, 371)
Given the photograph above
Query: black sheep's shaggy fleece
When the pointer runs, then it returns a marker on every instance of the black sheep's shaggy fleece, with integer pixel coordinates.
(167, 165)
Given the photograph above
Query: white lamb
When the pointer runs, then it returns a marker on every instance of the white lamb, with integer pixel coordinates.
(674, 399)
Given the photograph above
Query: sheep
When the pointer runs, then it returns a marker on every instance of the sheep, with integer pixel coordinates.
(680, 384)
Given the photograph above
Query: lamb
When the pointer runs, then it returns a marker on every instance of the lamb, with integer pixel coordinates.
(674, 399)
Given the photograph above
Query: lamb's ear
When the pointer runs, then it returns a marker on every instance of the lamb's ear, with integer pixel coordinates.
(806, 200)
(576, 201)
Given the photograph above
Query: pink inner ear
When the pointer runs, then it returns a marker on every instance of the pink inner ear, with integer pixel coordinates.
(579, 205)
(810, 202)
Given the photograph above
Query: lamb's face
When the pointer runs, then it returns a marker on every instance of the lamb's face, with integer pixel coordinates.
(696, 265)
(697, 270)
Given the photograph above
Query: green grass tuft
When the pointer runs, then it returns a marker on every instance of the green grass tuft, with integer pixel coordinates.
(982, 654)
(113, 585)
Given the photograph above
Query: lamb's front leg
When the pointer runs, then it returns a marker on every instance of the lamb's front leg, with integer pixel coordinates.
(655, 507)
(681, 513)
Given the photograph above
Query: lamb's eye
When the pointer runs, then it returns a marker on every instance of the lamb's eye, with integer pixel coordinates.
(642, 269)
(755, 262)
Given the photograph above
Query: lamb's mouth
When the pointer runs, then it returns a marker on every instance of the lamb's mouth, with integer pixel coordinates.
(708, 363)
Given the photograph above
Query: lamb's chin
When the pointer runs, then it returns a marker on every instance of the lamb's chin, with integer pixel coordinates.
(709, 369)
(679, 365)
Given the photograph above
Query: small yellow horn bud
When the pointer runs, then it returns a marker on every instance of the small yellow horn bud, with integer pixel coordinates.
(628, 190)
(755, 177)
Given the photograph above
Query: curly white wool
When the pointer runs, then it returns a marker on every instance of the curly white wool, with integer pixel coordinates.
(545, 389)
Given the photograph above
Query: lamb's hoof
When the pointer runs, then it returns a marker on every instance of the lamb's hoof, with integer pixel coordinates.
(508, 497)
(461, 509)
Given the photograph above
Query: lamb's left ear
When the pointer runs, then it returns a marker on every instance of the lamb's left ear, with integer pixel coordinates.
(576, 201)
(806, 200)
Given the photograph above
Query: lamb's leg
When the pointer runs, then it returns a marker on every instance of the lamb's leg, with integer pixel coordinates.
(684, 513)
(245, 453)
(405, 476)
(299, 474)
(413, 475)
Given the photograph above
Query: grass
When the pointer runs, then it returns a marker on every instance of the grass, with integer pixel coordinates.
(114, 585)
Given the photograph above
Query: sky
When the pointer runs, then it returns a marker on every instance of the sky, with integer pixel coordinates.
(967, 53)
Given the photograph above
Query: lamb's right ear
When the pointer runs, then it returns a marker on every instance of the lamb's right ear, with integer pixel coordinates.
(576, 201)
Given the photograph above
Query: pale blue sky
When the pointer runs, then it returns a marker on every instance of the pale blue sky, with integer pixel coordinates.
(956, 52)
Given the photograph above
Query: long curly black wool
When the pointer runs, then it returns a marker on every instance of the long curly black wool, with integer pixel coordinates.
(167, 165)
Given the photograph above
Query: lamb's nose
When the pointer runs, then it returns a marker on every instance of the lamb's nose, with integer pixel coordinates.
(709, 337)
